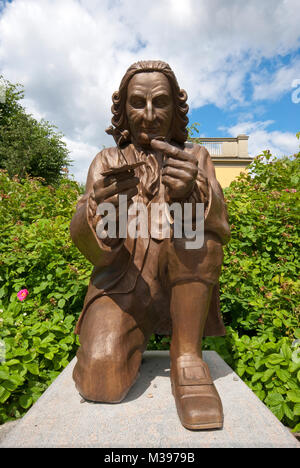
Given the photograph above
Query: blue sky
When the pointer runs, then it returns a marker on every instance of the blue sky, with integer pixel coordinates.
(281, 111)
(236, 60)
(284, 113)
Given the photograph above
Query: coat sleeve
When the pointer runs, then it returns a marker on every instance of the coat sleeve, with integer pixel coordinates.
(81, 229)
(207, 190)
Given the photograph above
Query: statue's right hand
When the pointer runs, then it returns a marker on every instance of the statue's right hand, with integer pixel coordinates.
(108, 188)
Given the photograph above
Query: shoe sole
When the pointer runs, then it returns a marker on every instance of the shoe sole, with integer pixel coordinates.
(196, 427)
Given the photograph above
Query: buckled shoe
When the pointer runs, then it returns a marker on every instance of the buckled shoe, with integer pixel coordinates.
(197, 400)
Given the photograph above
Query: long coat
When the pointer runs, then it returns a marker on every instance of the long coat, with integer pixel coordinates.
(116, 269)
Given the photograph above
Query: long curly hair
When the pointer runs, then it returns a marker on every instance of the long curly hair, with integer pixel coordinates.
(120, 128)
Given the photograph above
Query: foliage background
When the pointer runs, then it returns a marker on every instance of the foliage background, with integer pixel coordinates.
(259, 286)
(28, 146)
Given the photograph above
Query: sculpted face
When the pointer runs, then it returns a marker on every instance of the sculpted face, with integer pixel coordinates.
(149, 107)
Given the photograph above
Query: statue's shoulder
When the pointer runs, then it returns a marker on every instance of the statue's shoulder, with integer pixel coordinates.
(105, 157)
(105, 153)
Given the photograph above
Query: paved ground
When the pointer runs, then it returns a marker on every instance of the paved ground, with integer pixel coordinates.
(147, 417)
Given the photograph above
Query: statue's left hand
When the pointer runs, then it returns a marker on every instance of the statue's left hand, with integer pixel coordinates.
(180, 169)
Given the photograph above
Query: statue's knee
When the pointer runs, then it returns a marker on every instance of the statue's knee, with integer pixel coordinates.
(104, 379)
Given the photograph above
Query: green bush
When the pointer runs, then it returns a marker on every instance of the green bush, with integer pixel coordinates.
(260, 284)
(36, 253)
(28, 146)
(259, 287)
(271, 368)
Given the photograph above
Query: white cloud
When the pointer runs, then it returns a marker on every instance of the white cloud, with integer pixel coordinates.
(82, 155)
(269, 85)
(71, 54)
(260, 139)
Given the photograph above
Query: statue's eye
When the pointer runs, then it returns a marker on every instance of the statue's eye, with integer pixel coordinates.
(161, 101)
(137, 102)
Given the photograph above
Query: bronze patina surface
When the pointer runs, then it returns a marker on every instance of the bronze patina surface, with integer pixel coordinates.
(153, 284)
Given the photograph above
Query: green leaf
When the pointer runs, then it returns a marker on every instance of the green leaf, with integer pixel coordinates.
(274, 359)
(257, 376)
(12, 362)
(25, 401)
(278, 411)
(274, 398)
(267, 375)
(32, 367)
(9, 385)
(297, 409)
(250, 370)
(286, 351)
(29, 357)
(296, 356)
(283, 374)
(49, 355)
(61, 303)
(296, 428)
(277, 322)
(294, 395)
(287, 411)
(4, 374)
(292, 384)
(4, 394)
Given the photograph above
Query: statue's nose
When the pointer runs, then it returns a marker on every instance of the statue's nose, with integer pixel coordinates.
(149, 111)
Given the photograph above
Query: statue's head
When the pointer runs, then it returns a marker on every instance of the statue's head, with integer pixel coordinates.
(149, 104)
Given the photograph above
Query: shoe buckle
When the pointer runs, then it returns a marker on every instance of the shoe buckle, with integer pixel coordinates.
(194, 374)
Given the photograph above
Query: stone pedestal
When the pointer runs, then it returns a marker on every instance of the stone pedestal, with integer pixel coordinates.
(147, 417)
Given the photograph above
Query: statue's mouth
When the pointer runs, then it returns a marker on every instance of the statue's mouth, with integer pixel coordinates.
(149, 129)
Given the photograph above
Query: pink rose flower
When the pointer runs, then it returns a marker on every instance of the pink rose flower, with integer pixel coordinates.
(22, 294)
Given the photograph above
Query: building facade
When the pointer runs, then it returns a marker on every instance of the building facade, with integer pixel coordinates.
(230, 156)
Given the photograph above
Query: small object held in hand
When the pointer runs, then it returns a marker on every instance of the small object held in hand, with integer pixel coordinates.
(160, 138)
(126, 167)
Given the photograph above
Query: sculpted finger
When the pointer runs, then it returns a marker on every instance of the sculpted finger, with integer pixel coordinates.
(164, 147)
(178, 174)
(184, 157)
(185, 166)
(173, 151)
(115, 178)
(169, 181)
(99, 184)
(119, 187)
(130, 193)
(107, 185)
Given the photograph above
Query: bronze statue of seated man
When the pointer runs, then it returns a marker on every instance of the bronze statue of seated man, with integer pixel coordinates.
(142, 285)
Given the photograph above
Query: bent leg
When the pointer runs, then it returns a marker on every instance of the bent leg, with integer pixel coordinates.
(189, 308)
(110, 354)
(192, 275)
